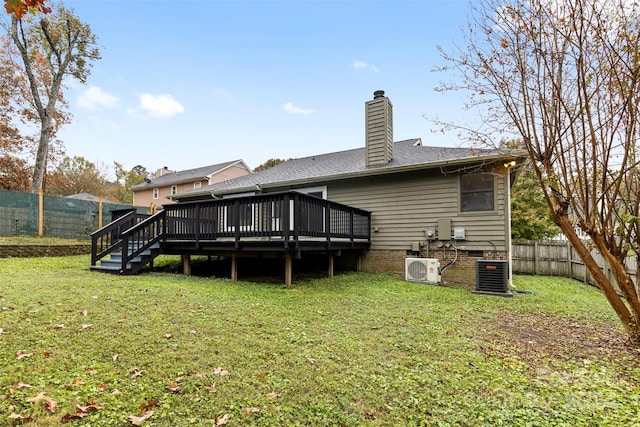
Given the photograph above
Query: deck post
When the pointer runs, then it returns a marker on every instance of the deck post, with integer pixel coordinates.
(234, 268)
(288, 269)
(186, 265)
(330, 265)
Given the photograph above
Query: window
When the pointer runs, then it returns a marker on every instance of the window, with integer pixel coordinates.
(197, 184)
(156, 193)
(476, 192)
(174, 189)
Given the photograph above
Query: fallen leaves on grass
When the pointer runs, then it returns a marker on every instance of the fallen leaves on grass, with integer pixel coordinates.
(274, 395)
(37, 398)
(23, 355)
(136, 421)
(250, 411)
(174, 387)
(311, 360)
(221, 372)
(76, 382)
(83, 410)
(148, 404)
(223, 420)
(135, 372)
(51, 404)
(25, 418)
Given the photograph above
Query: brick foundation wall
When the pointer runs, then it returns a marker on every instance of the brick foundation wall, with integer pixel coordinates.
(34, 251)
(461, 272)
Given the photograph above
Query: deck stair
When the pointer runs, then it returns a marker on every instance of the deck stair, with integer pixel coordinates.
(113, 264)
(128, 244)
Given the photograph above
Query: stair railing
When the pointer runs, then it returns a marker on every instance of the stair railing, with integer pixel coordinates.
(108, 239)
(141, 237)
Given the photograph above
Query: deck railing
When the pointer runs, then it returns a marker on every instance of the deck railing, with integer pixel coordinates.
(277, 217)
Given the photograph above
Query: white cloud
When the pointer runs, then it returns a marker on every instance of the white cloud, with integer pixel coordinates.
(292, 109)
(94, 98)
(160, 106)
(359, 65)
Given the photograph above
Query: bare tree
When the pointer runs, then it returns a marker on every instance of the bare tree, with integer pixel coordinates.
(56, 46)
(564, 76)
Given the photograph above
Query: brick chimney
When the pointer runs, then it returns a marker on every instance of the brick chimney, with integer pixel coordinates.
(378, 130)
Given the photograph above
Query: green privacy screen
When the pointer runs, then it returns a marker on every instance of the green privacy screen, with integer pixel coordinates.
(62, 216)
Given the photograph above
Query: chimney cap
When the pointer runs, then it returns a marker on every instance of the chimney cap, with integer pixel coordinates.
(378, 94)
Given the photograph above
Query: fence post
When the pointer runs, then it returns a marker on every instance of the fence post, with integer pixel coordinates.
(535, 258)
(569, 261)
(40, 212)
(100, 212)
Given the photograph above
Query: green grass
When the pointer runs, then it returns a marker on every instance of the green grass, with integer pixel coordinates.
(353, 350)
(31, 240)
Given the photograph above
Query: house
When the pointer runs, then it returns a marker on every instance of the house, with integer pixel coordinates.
(165, 183)
(450, 204)
(375, 208)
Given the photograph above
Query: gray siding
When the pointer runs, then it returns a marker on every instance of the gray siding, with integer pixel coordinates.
(405, 205)
(379, 131)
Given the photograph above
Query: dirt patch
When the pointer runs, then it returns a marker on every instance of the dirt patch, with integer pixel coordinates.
(540, 339)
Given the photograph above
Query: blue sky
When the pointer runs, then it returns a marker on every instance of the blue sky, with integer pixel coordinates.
(185, 84)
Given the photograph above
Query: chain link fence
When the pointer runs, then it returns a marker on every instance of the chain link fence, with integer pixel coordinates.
(64, 217)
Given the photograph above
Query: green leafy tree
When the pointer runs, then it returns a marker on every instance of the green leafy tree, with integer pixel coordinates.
(530, 217)
(125, 179)
(56, 46)
(564, 76)
(268, 164)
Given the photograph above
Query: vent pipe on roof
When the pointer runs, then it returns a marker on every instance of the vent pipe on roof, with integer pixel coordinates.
(378, 130)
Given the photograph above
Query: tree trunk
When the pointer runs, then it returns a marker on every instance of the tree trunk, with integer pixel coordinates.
(630, 324)
(41, 158)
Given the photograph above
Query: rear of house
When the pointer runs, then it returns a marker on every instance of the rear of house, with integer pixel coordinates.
(431, 202)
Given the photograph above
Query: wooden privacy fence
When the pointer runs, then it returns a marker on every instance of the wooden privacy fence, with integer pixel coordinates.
(558, 258)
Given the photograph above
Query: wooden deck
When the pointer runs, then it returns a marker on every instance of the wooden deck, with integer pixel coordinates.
(278, 224)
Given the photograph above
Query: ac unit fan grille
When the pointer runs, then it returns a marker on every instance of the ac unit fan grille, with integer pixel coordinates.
(492, 277)
(417, 270)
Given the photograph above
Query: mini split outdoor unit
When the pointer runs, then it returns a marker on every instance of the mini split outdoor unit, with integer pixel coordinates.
(492, 277)
(422, 270)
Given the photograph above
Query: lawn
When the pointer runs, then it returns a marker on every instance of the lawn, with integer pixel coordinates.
(358, 349)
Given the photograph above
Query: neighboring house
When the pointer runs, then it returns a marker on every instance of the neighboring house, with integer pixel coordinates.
(157, 190)
(87, 197)
(434, 202)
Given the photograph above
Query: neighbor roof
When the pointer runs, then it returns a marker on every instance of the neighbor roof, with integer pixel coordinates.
(188, 175)
(407, 155)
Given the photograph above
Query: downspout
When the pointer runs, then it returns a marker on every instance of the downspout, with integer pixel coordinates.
(509, 166)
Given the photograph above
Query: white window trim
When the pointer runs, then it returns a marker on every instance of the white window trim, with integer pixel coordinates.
(197, 184)
(156, 193)
(174, 190)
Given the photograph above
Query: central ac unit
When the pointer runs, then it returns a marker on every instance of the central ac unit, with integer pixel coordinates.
(422, 270)
(492, 277)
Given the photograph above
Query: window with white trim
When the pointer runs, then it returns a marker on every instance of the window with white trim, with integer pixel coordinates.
(156, 193)
(174, 190)
(197, 184)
